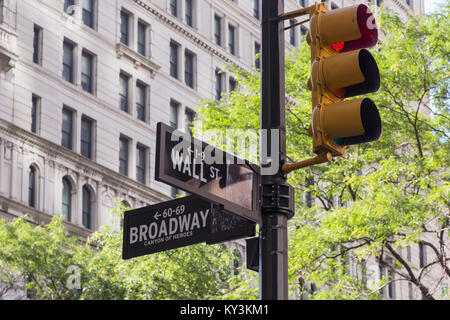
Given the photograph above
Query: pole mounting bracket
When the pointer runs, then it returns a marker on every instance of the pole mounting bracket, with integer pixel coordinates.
(277, 196)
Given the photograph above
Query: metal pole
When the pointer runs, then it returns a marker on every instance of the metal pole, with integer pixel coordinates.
(273, 266)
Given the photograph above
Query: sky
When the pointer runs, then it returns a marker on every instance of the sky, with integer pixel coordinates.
(430, 5)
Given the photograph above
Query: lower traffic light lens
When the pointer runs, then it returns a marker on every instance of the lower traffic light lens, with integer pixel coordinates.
(371, 122)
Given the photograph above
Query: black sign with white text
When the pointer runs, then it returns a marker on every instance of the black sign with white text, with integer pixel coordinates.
(199, 168)
(178, 223)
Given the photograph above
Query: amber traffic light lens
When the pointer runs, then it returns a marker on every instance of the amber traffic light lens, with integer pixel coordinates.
(351, 74)
(371, 74)
(367, 28)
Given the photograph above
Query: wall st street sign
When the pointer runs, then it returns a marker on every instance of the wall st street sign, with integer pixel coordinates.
(212, 174)
(178, 223)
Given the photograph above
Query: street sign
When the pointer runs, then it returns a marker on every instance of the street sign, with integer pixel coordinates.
(178, 223)
(198, 168)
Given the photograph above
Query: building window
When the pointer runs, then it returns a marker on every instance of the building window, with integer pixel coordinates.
(391, 285)
(141, 161)
(303, 30)
(174, 7)
(32, 187)
(37, 45)
(218, 30)
(257, 52)
(219, 84)
(174, 107)
(88, 13)
(257, 9)
(66, 208)
(174, 59)
(1, 10)
(232, 39)
(67, 129)
(189, 13)
(87, 137)
(69, 7)
(35, 108)
(123, 155)
(142, 38)
(232, 84)
(292, 37)
(87, 208)
(68, 61)
(237, 261)
(308, 195)
(302, 3)
(124, 28)
(189, 120)
(87, 72)
(308, 199)
(189, 60)
(381, 271)
(124, 92)
(141, 101)
(422, 255)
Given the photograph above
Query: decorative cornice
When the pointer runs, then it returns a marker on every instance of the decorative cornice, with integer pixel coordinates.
(36, 217)
(137, 59)
(8, 47)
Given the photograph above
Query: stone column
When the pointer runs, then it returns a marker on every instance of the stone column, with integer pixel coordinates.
(97, 221)
(13, 181)
(23, 186)
(77, 217)
(2, 164)
(57, 190)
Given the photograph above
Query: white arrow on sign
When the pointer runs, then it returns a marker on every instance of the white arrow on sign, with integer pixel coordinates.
(157, 215)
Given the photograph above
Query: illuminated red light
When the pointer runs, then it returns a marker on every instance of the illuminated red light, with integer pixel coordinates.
(338, 46)
(368, 29)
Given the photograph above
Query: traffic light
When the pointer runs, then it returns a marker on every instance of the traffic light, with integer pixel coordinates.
(341, 68)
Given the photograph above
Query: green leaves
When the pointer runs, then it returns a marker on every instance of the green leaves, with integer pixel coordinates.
(55, 265)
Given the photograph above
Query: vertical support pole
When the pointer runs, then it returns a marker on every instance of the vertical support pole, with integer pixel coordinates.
(273, 266)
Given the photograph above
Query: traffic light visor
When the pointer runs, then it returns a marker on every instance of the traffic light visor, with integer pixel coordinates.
(351, 74)
(350, 28)
(352, 122)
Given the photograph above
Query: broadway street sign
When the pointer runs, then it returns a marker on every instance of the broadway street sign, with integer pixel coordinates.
(178, 223)
(199, 168)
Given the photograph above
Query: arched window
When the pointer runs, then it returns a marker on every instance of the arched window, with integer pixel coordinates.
(125, 206)
(66, 199)
(237, 261)
(87, 208)
(32, 187)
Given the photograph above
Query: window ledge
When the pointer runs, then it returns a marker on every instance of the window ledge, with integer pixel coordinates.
(137, 59)
(8, 45)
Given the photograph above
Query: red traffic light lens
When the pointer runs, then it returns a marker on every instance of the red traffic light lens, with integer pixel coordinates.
(338, 46)
(368, 29)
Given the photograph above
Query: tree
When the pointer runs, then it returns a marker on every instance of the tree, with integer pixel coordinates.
(51, 264)
(384, 197)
